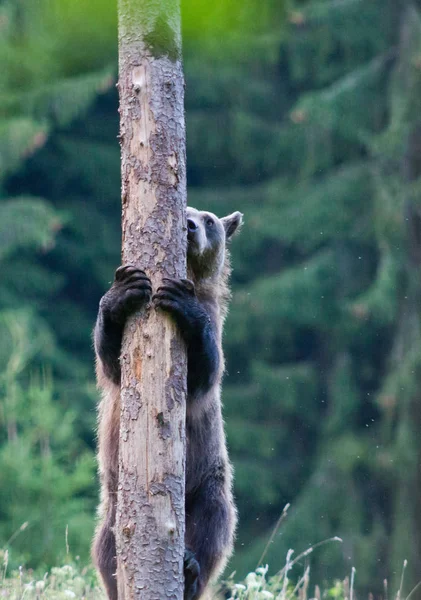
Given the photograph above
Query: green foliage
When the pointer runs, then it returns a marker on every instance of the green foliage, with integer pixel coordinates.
(248, 24)
(42, 82)
(25, 223)
(19, 137)
(61, 583)
(259, 586)
(311, 128)
(73, 581)
(47, 470)
(323, 334)
(51, 470)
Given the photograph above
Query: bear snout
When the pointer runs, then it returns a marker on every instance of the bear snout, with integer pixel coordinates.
(192, 231)
(191, 226)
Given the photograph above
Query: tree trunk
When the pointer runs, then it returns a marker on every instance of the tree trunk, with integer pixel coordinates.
(150, 509)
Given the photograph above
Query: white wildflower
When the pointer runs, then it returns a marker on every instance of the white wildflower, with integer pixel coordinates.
(266, 594)
(240, 587)
(69, 594)
(78, 583)
(252, 582)
(67, 569)
(40, 585)
(262, 570)
(251, 579)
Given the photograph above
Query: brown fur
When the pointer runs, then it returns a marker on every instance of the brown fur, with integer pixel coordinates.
(208, 470)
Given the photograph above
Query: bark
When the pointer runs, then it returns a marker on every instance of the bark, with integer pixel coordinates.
(150, 509)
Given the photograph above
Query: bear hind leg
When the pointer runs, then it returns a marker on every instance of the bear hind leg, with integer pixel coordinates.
(210, 525)
(105, 556)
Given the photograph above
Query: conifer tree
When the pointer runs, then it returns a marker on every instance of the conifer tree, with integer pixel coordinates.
(323, 363)
(322, 342)
(47, 470)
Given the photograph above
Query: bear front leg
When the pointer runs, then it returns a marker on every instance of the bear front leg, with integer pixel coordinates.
(130, 291)
(178, 298)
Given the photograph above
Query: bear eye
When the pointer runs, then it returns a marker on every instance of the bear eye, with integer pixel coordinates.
(209, 222)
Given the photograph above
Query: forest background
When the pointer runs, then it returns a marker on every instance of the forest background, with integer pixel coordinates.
(304, 115)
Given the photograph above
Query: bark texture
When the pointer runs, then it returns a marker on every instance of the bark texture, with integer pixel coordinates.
(150, 511)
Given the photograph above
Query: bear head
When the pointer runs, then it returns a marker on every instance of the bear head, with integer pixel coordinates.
(207, 236)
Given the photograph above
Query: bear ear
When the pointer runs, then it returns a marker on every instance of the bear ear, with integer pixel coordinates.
(232, 223)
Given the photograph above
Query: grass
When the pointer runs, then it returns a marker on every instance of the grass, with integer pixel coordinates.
(75, 582)
(72, 582)
(81, 583)
(60, 583)
(258, 586)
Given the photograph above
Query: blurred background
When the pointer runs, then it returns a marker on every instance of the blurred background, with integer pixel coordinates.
(305, 116)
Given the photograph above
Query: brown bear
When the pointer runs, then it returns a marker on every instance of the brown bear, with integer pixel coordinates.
(199, 307)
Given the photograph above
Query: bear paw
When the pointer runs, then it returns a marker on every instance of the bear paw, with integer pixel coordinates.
(131, 290)
(178, 298)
